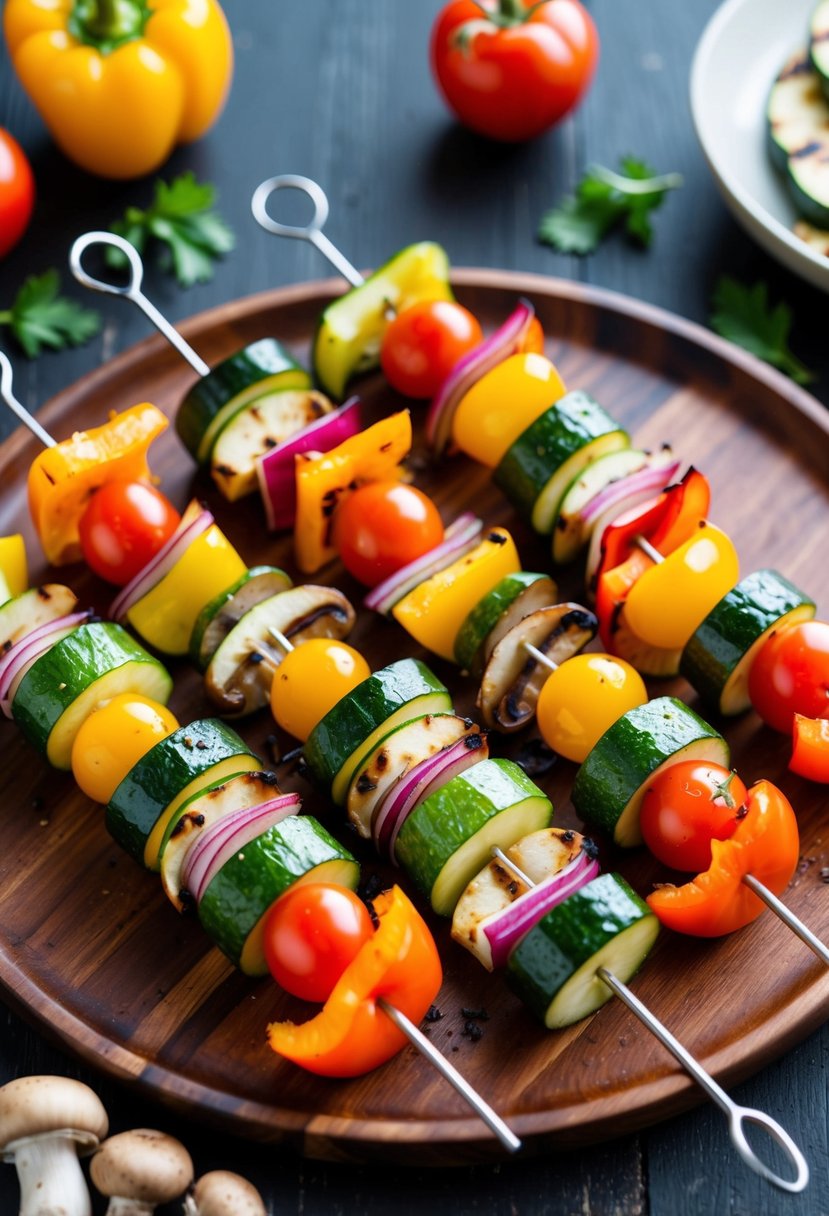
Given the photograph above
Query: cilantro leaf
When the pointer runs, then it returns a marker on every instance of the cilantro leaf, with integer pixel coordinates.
(743, 315)
(182, 221)
(604, 200)
(40, 316)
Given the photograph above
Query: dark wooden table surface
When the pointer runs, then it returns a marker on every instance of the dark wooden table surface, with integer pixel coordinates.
(340, 90)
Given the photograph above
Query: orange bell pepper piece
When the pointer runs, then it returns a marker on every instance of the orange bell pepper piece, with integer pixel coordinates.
(810, 750)
(352, 1035)
(322, 479)
(765, 843)
(63, 478)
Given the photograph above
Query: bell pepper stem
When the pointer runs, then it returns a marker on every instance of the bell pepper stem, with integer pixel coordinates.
(108, 23)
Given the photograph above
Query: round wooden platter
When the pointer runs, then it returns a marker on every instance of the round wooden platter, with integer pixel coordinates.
(90, 948)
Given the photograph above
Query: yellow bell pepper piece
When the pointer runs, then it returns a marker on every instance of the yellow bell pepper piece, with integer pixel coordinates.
(323, 478)
(14, 574)
(435, 610)
(119, 82)
(62, 478)
(502, 404)
(165, 616)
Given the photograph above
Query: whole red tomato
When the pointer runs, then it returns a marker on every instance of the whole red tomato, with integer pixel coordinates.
(17, 192)
(515, 73)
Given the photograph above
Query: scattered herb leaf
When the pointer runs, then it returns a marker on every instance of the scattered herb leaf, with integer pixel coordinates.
(743, 315)
(604, 200)
(182, 220)
(40, 316)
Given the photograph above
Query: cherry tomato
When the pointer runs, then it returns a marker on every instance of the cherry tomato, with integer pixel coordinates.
(513, 77)
(685, 807)
(423, 343)
(311, 935)
(17, 192)
(124, 526)
(583, 698)
(533, 342)
(311, 679)
(382, 527)
(114, 738)
(790, 675)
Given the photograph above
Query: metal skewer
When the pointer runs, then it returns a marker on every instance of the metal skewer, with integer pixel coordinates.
(312, 231)
(760, 889)
(419, 1040)
(131, 290)
(738, 1116)
(7, 394)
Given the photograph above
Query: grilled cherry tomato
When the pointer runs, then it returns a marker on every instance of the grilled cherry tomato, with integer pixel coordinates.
(311, 679)
(810, 751)
(124, 526)
(765, 843)
(352, 1034)
(312, 933)
(790, 675)
(382, 527)
(17, 192)
(423, 343)
(685, 807)
(114, 738)
(517, 73)
(582, 699)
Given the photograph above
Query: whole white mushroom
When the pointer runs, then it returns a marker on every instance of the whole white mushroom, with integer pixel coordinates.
(44, 1123)
(221, 1193)
(140, 1169)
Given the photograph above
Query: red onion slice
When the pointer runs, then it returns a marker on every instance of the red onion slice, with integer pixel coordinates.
(505, 929)
(276, 468)
(218, 843)
(459, 538)
(418, 783)
(20, 657)
(467, 371)
(654, 476)
(196, 519)
(635, 501)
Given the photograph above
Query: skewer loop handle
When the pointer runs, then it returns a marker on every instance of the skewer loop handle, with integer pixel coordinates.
(312, 231)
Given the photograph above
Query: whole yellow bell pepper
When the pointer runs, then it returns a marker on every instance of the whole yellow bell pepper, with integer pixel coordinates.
(120, 82)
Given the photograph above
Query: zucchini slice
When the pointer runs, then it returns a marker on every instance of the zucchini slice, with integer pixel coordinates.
(795, 111)
(204, 808)
(513, 678)
(569, 533)
(255, 430)
(341, 740)
(396, 753)
(611, 783)
(239, 676)
(92, 664)
(237, 900)
(217, 618)
(262, 368)
(149, 798)
(31, 609)
(553, 969)
(718, 657)
(819, 44)
(351, 329)
(548, 457)
(448, 838)
(516, 596)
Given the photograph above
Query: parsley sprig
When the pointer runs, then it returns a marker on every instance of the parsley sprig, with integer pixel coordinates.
(182, 221)
(41, 317)
(743, 315)
(605, 200)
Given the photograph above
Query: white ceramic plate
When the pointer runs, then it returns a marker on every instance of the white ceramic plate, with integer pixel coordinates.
(740, 53)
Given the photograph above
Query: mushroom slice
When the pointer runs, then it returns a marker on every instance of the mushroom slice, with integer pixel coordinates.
(513, 677)
(140, 1169)
(539, 594)
(221, 1193)
(239, 676)
(44, 1123)
(217, 618)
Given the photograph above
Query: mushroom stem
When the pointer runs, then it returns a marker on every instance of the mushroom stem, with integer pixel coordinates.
(118, 1206)
(51, 1179)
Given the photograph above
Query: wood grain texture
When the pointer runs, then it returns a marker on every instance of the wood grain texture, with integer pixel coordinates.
(90, 946)
(341, 91)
